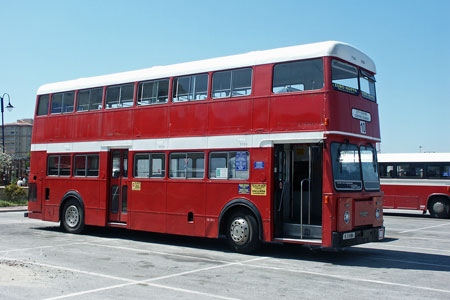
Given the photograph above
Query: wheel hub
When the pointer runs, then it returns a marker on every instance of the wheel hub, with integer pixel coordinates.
(439, 207)
(72, 216)
(239, 231)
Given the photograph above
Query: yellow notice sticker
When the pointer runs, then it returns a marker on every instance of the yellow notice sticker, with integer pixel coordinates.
(135, 186)
(259, 189)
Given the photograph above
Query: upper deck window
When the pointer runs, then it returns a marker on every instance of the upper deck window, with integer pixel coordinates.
(190, 88)
(43, 102)
(367, 83)
(153, 92)
(120, 96)
(298, 76)
(62, 103)
(344, 77)
(89, 99)
(234, 83)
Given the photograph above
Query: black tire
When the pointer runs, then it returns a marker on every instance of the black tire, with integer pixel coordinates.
(72, 219)
(242, 232)
(439, 208)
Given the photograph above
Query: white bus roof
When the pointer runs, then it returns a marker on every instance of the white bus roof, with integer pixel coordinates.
(330, 48)
(413, 157)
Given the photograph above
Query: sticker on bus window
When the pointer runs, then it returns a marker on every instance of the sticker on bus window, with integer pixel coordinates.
(241, 161)
(222, 173)
(135, 186)
(244, 188)
(259, 189)
(259, 165)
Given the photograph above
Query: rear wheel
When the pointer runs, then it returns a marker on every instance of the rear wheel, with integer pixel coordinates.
(242, 232)
(439, 208)
(73, 217)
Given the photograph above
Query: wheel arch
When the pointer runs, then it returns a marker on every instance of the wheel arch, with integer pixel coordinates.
(234, 205)
(67, 196)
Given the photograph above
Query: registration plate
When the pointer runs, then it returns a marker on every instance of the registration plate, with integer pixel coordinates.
(348, 236)
(380, 233)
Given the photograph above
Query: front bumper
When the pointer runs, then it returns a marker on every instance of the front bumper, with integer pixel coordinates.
(355, 237)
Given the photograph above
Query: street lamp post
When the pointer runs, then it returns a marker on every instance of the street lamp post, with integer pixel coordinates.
(9, 107)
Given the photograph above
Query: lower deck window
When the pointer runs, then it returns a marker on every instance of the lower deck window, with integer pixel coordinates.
(149, 165)
(86, 165)
(58, 165)
(187, 165)
(229, 165)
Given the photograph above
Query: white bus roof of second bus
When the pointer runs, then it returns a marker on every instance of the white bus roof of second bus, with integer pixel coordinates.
(330, 48)
(413, 157)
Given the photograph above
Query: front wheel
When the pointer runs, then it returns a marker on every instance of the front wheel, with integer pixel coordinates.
(242, 232)
(439, 208)
(73, 217)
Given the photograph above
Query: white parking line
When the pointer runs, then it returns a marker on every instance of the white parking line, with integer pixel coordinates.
(41, 247)
(149, 281)
(344, 278)
(69, 269)
(418, 229)
(423, 231)
(159, 252)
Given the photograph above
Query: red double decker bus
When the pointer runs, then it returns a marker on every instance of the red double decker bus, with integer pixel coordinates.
(416, 181)
(273, 145)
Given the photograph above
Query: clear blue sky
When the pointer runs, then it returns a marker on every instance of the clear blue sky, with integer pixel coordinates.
(48, 41)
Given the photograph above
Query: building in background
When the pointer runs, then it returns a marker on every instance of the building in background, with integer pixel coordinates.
(18, 145)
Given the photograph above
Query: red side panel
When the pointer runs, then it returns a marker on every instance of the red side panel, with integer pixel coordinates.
(296, 113)
(151, 121)
(184, 197)
(59, 128)
(88, 124)
(230, 116)
(188, 119)
(147, 206)
(118, 124)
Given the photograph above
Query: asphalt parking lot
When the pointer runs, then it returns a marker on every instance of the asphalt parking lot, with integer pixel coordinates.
(38, 261)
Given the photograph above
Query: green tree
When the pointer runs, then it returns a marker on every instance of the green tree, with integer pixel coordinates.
(6, 162)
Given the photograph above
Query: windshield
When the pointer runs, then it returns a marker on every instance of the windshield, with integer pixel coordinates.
(350, 163)
(369, 168)
(346, 167)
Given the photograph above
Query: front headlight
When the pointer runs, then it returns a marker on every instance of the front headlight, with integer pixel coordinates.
(377, 213)
(347, 217)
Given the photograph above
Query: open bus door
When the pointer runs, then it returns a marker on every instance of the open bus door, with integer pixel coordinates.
(298, 192)
(118, 185)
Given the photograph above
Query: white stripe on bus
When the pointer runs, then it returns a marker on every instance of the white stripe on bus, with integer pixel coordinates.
(191, 143)
(415, 182)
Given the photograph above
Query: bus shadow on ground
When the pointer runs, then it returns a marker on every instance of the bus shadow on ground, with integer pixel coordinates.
(351, 256)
